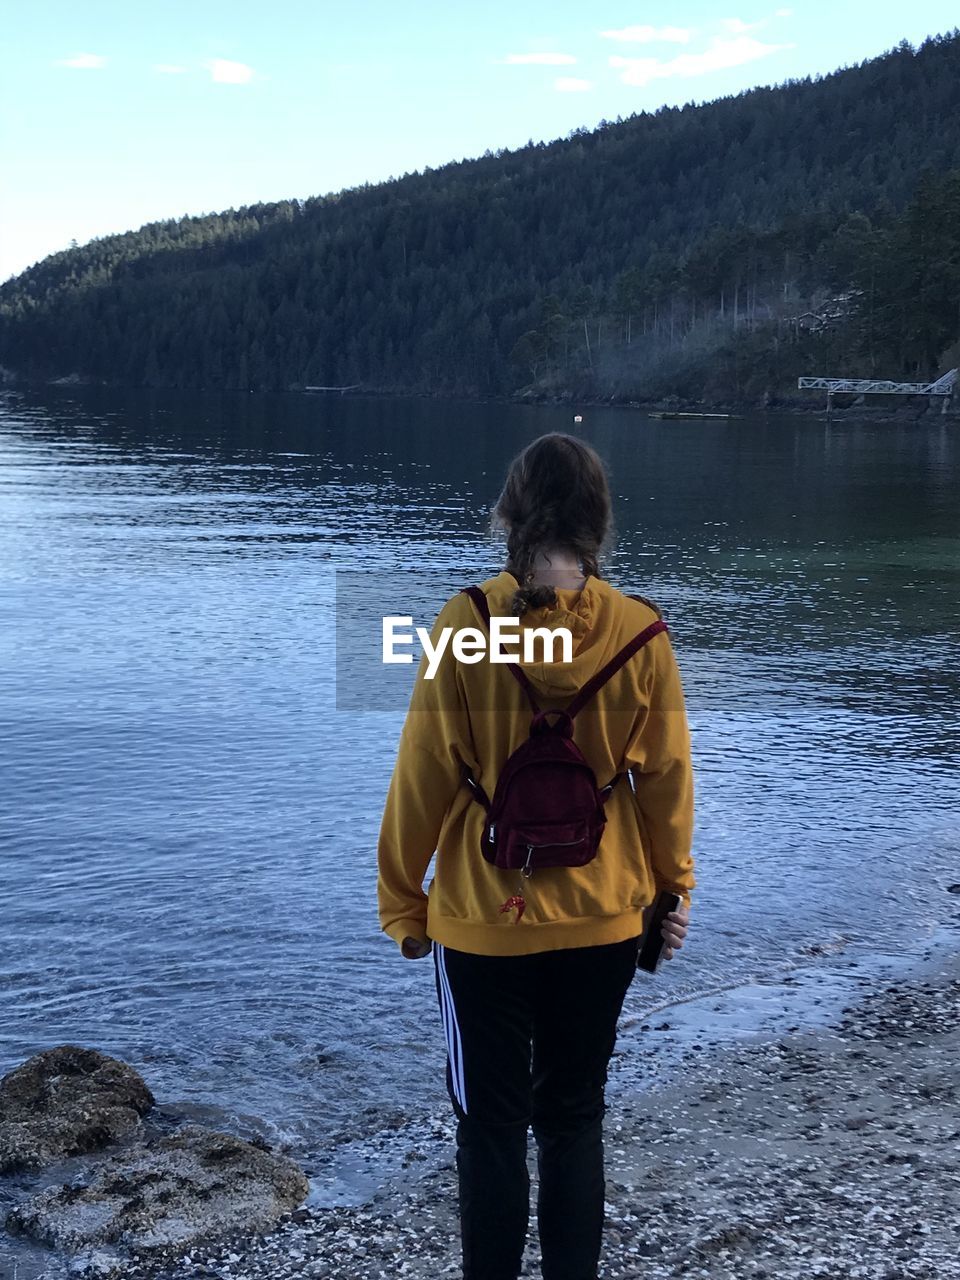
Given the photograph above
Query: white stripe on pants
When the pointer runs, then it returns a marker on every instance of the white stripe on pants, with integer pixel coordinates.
(452, 1030)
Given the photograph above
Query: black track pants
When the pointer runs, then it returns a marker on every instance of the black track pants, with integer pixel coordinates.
(529, 1040)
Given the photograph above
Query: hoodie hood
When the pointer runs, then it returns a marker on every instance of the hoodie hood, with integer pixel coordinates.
(594, 615)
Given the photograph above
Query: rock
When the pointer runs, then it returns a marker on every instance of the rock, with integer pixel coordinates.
(92, 1266)
(172, 1193)
(64, 1102)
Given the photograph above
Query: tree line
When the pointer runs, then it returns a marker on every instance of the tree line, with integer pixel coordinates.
(710, 251)
(745, 313)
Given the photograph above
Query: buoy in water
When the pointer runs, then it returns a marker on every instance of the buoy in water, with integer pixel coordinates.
(578, 418)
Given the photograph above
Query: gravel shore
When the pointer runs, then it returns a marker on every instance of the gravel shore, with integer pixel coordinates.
(831, 1153)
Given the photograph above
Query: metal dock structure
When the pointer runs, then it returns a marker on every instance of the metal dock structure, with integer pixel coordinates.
(944, 386)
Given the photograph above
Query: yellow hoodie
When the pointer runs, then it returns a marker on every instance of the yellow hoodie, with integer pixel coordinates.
(478, 714)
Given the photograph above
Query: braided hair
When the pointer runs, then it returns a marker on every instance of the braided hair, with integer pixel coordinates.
(555, 496)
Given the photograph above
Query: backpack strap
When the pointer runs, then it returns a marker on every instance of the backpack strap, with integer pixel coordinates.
(480, 601)
(611, 669)
(478, 792)
(602, 676)
(613, 666)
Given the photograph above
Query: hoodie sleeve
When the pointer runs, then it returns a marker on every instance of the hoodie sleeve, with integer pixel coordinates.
(660, 763)
(426, 779)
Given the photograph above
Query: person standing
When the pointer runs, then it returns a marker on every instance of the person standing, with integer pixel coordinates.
(531, 973)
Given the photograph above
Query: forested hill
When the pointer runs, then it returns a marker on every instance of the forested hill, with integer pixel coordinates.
(712, 252)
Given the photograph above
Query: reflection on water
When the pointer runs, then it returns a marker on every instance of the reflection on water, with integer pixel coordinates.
(187, 834)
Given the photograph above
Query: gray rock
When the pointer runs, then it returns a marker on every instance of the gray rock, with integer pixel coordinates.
(196, 1185)
(93, 1266)
(65, 1102)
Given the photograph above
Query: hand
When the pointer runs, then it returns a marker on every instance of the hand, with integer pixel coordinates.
(413, 949)
(675, 930)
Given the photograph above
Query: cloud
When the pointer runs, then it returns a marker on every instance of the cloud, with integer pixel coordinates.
(569, 84)
(737, 26)
(539, 59)
(722, 53)
(783, 13)
(651, 35)
(83, 61)
(169, 69)
(223, 71)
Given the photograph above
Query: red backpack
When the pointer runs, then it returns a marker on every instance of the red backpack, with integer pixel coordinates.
(547, 810)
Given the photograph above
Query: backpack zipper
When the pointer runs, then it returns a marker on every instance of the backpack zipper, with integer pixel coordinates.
(552, 844)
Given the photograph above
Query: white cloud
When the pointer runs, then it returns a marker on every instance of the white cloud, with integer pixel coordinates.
(169, 69)
(721, 54)
(223, 71)
(539, 59)
(651, 35)
(83, 61)
(569, 84)
(737, 26)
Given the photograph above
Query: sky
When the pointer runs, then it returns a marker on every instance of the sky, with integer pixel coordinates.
(114, 114)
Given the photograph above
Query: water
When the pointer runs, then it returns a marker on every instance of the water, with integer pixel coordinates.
(188, 824)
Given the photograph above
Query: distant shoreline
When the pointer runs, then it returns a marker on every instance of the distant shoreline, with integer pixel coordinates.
(812, 407)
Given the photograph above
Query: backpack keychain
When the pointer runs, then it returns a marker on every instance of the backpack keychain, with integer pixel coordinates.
(547, 809)
(517, 901)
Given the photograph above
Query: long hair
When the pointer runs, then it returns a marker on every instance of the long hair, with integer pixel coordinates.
(555, 496)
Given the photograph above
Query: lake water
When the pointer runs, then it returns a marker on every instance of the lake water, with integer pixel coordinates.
(188, 822)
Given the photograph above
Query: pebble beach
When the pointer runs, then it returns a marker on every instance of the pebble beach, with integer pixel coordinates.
(829, 1153)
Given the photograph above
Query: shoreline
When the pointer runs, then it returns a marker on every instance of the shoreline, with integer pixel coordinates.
(832, 1151)
(790, 405)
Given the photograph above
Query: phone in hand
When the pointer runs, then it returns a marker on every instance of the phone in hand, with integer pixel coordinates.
(652, 943)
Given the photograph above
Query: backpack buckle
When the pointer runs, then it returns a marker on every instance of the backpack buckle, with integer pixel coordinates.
(607, 791)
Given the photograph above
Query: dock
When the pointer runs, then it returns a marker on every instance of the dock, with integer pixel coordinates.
(725, 417)
(943, 387)
(342, 390)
